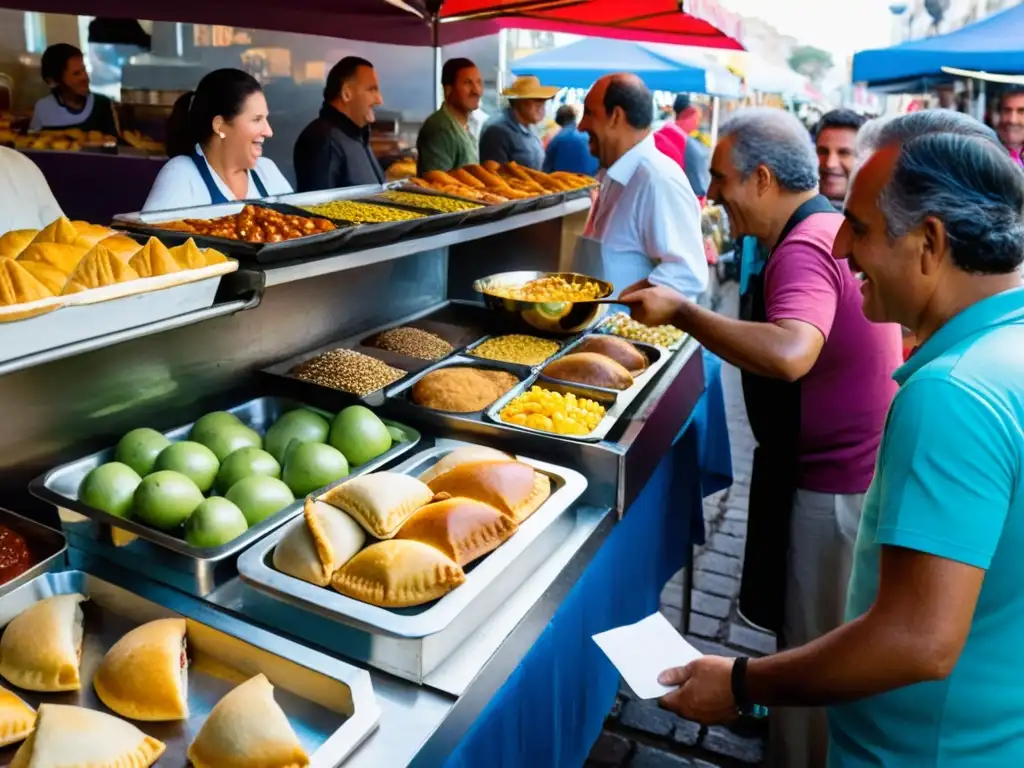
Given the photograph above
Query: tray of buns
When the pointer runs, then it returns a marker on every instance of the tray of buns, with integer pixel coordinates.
(30, 549)
(180, 505)
(360, 368)
(407, 553)
(252, 231)
(581, 393)
(96, 675)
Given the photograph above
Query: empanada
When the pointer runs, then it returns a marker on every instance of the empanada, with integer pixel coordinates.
(51, 277)
(247, 729)
(17, 719)
(397, 574)
(41, 648)
(213, 256)
(58, 231)
(58, 255)
(76, 737)
(514, 488)
(90, 234)
(188, 255)
(18, 286)
(144, 675)
(14, 242)
(97, 269)
(464, 455)
(619, 350)
(380, 502)
(153, 260)
(463, 529)
(121, 246)
(319, 544)
(591, 369)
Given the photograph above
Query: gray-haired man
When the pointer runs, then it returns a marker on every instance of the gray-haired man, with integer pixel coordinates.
(817, 379)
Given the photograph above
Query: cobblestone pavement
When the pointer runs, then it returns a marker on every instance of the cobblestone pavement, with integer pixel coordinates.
(638, 734)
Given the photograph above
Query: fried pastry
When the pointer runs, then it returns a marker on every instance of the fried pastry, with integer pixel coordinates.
(76, 737)
(90, 234)
(513, 488)
(188, 255)
(58, 231)
(619, 350)
(319, 544)
(398, 574)
(464, 455)
(14, 242)
(18, 286)
(121, 246)
(59, 255)
(380, 502)
(590, 369)
(144, 675)
(17, 719)
(97, 269)
(213, 256)
(154, 260)
(51, 277)
(41, 648)
(458, 389)
(247, 729)
(463, 529)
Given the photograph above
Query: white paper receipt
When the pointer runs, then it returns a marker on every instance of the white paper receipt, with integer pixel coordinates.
(644, 650)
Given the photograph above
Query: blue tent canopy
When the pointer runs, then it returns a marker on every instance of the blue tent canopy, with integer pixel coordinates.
(579, 64)
(995, 44)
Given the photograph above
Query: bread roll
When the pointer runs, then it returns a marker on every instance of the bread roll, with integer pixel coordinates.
(590, 369)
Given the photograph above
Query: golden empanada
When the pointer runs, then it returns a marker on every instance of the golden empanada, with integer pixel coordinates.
(154, 260)
(463, 529)
(213, 256)
(76, 737)
(90, 234)
(97, 269)
(247, 729)
(58, 231)
(319, 544)
(144, 676)
(380, 502)
(464, 455)
(17, 719)
(47, 274)
(18, 286)
(121, 246)
(189, 255)
(514, 488)
(41, 648)
(397, 574)
(14, 242)
(58, 255)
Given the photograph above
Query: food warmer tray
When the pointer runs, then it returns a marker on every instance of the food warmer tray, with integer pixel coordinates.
(485, 213)
(461, 323)
(616, 402)
(324, 616)
(144, 224)
(48, 547)
(601, 328)
(164, 556)
(527, 331)
(329, 703)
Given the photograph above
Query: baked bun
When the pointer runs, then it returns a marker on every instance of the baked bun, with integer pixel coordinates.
(99, 268)
(90, 234)
(18, 285)
(14, 242)
(59, 255)
(590, 369)
(153, 260)
(121, 246)
(619, 350)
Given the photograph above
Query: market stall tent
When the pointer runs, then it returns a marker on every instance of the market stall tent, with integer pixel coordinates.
(993, 44)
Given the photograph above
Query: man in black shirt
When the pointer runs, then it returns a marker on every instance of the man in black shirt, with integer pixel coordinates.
(334, 150)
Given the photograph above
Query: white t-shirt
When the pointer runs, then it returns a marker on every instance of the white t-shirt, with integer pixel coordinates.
(26, 201)
(179, 185)
(50, 113)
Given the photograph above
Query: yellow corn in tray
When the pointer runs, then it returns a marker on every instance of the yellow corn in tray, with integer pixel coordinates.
(517, 348)
(362, 213)
(553, 412)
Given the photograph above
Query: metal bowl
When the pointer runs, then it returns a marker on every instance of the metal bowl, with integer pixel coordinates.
(555, 317)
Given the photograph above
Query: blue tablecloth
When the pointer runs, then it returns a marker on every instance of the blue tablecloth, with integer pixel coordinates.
(550, 710)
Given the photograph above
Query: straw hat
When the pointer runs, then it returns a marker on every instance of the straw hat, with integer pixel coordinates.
(529, 87)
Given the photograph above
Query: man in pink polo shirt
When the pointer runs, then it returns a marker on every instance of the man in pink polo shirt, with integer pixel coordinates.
(1011, 123)
(817, 380)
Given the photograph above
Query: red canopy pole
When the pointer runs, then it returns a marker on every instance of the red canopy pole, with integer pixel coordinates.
(434, 9)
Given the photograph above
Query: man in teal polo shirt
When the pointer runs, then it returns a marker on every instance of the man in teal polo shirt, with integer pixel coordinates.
(927, 670)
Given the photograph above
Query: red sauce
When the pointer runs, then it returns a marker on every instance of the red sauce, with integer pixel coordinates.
(15, 557)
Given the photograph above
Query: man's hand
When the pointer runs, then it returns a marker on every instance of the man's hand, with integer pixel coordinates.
(656, 305)
(639, 285)
(704, 693)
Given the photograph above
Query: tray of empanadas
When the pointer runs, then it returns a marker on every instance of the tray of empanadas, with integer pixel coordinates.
(94, 675)
(407, 552)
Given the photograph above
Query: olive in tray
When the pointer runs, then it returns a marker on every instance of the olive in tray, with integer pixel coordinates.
(253, 224)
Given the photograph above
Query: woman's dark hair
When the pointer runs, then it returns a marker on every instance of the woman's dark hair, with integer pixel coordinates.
(55, 60)
(222, 92)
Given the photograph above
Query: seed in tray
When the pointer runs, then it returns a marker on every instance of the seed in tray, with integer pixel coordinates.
(413, 342)
(431, 202)
(362, 213)
(553, 412)
(348, 371)
(516, 348)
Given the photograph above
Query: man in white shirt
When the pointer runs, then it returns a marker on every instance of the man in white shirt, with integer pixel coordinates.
(28, 202)
(644, 228)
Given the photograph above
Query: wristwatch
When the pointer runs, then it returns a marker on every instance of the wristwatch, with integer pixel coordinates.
(744, 705)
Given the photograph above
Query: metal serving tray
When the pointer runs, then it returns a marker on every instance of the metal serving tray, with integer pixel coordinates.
(145, 223)
(616, 402)
(330, 704)
(600, 328)
(164, 556)
(562, 343)
(486, 212)
(48, 547)
(488, 583)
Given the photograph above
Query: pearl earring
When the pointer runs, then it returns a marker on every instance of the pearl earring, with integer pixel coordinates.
(221, 134)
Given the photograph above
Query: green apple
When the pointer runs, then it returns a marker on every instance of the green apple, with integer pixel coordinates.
(140, 448)
(110, 488)
(194, 460)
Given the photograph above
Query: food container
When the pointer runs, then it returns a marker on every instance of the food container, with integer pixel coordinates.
(147, 224)
(616, 402)
(603, 328)
(47, 546)
(329, 704)
(469, 352)
(487, 211)
(164, 556)
(419, 637)
(562, 318)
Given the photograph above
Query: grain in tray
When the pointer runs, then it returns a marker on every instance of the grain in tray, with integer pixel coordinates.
(553, 412)
(430, 202)
(517, 348)
(362, 213)
(413, 342)
(621, 324)
(348, 371)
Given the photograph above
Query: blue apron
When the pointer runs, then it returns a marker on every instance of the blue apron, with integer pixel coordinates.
(216, 196)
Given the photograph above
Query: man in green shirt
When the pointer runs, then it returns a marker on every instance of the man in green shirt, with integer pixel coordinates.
(444, 141)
